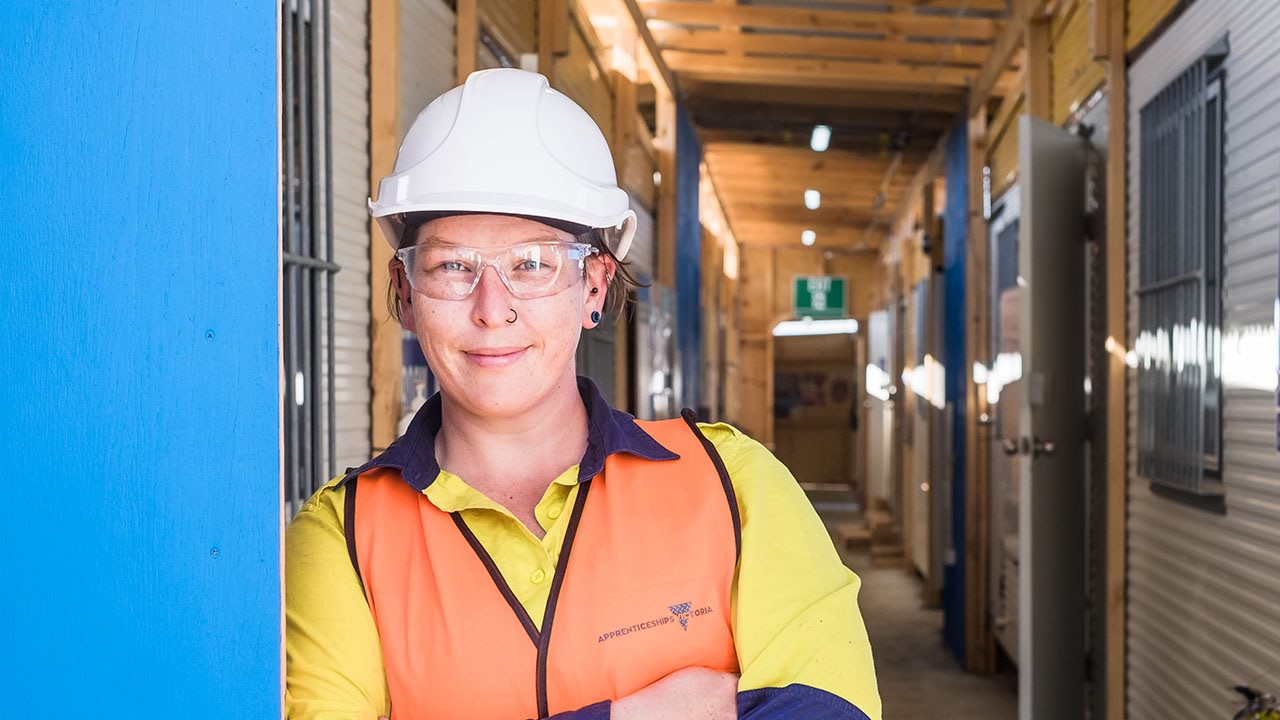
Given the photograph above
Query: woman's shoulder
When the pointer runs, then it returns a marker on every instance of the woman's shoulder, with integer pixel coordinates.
(744, 457)
(324, 506)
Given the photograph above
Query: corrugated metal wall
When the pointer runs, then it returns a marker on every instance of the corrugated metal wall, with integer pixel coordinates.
(349, 74)
(1203, 588)
(427, 42)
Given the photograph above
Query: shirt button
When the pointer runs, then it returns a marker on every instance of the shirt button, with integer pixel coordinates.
(554, 511)
(538, 576)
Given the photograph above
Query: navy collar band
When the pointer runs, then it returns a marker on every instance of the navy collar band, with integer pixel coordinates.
(609, 431)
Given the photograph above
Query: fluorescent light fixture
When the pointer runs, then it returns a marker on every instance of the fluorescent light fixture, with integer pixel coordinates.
(798, 328)
(808, 237)
(821, 139)
(812, 199)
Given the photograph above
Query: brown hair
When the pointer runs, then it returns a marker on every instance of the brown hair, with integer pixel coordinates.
(617, 294)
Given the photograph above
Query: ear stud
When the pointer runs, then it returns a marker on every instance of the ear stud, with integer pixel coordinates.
(595, 316)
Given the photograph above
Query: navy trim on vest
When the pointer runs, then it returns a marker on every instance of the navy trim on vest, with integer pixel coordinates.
(349, 530)
(692, 420)
(496, 575)
(544, 647)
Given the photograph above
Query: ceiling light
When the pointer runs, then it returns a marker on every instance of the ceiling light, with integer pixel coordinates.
(796, 328)
(812, 199)
(808, 237)
(821, 139)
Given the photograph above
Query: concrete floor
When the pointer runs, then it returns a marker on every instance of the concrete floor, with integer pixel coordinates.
(918, 676)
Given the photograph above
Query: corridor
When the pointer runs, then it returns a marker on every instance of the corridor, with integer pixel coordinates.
(919, 679)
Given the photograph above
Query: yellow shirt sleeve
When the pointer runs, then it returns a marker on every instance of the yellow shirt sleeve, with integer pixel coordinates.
(795, 604)
(333, 658)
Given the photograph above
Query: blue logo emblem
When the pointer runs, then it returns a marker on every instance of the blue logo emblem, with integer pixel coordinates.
(681, 612)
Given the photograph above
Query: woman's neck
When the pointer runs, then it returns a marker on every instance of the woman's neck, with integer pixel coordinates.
(514, 455)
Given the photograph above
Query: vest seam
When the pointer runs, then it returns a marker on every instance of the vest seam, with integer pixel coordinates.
(349, 530)
(692, 421)
(557, 582)
(498, 580)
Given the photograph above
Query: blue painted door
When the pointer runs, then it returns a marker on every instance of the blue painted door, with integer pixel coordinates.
(140, 510)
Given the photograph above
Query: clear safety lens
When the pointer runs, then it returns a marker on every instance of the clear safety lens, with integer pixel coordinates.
(531, 270)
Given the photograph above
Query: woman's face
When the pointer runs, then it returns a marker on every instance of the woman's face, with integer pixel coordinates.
(492, 367)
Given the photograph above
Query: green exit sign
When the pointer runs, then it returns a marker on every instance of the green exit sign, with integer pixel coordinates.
(821, 297)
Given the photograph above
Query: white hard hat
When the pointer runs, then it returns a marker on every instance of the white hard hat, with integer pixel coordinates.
(506, 143)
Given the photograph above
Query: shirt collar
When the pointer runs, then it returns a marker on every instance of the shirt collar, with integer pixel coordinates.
(609, 431)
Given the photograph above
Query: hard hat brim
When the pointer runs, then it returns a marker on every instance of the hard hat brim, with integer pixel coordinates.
(621, 228)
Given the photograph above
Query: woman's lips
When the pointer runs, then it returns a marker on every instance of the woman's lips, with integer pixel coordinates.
(495, 357)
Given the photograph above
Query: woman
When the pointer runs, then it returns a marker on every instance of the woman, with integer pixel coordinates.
(524, 550)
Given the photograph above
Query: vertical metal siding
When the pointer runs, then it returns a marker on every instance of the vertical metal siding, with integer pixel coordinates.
(427, 42)
(349, 68)
(1202, 613)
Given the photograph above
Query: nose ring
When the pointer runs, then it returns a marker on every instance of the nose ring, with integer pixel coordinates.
(514, 316)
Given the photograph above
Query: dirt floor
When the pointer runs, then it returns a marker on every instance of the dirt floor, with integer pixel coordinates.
(918, 676)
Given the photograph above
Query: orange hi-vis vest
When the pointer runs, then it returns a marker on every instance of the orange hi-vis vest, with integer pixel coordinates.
(641, 589)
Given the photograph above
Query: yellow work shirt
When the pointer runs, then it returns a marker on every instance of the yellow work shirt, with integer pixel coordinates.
(800, 640)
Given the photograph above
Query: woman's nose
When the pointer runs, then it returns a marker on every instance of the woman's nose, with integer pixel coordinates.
(491, 301)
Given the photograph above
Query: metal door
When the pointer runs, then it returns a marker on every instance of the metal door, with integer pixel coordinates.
(1051, 670)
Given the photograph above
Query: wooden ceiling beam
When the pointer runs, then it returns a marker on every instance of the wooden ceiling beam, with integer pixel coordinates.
(731, 117)
(655, 55)
(794, 188)
(698, 90)
(822, 73)
(969, 5)
(733, 176)
(877, 140)
(765, 212)
(677, 38)
(1010, 40)
(801, 156)
(892, 24)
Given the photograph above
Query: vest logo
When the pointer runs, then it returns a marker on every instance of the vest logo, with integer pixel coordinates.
(680, 613)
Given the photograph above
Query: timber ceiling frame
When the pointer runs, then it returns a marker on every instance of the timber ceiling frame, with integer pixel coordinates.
(889, 76)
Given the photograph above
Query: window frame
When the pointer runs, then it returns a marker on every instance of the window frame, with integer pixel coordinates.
(1180, 293)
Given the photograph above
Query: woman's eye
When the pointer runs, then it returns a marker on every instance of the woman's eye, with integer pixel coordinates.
(452, 266)
(529, 266)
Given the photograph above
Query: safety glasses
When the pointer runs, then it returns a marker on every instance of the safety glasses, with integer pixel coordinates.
(530, 270)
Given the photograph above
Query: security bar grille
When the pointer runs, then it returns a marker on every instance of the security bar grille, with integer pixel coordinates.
(306, 250)
(1180, 291)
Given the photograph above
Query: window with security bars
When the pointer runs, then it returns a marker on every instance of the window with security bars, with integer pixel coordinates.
(1179, 343)
(306, 250)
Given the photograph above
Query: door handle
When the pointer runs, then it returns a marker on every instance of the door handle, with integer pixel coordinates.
(1042, 447)
(1027, 446)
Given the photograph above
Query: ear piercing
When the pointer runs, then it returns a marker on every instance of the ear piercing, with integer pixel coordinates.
(595, 291)
(595, 316)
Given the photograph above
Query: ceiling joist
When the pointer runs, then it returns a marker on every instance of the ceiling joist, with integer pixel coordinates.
(715, 40)
(896, 24)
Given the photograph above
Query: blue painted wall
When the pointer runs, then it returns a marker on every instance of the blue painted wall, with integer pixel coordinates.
(688, 261)
(139, 431)
(955, 216)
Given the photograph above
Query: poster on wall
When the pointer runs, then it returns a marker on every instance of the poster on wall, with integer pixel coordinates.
(794, 391)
